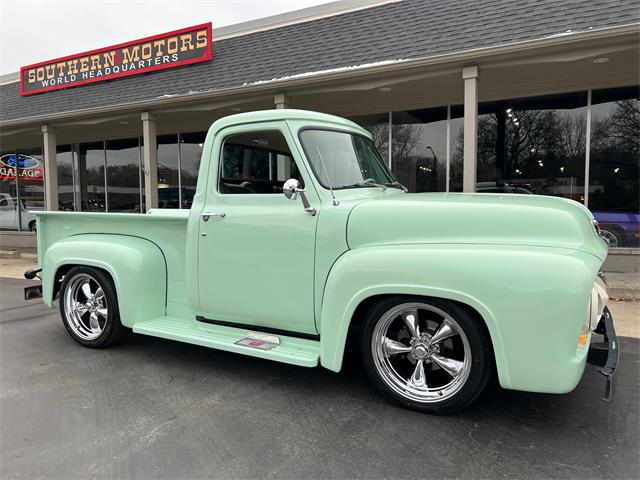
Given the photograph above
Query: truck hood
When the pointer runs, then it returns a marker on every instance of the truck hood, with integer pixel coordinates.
(455, 218)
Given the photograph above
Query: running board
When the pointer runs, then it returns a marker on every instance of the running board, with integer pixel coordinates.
(296, 351)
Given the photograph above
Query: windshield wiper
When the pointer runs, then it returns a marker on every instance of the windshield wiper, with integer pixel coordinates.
(397, 185)
(365, 184)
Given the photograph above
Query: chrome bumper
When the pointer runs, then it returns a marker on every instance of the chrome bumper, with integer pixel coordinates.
(605, 354)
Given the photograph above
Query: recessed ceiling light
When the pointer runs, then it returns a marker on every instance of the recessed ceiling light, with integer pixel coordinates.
(384, 89)
(601, 60)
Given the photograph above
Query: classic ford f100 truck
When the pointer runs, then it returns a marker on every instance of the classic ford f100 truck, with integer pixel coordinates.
(299, 239)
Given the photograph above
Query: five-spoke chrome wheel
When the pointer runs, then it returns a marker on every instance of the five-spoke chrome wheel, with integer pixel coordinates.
(421, 352)
(89, 307)
(85, 306)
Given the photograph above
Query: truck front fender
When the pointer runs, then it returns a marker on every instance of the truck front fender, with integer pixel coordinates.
(136, 265)
(531, 299)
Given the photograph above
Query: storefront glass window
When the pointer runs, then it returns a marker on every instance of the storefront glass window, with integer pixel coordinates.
(123, 175)
(91, 173)
(30, 186)
(533, 145)
(64, 161)
(168, 171)
(615, 164)
(419, 149)
(190, 154)
(8, 191)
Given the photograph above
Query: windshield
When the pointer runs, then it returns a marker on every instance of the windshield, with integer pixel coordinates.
(343, 160)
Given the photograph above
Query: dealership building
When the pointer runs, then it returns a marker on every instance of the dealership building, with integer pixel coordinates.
(475, 95)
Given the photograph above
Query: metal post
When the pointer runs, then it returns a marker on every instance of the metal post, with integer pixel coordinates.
(470, 168)
(448, 159)
(18, 202)
(150, 160)
(587, 153)
(390, 147)
(140, 168)
(106, 189)
(50, 168)
(179, 170)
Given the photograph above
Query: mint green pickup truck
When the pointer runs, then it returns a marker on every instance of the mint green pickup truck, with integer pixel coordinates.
(300, 244)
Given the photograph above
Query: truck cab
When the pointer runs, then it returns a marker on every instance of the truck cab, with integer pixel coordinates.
(299, 237)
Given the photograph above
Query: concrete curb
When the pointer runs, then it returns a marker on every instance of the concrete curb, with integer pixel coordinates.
(624, 293)
(14, 254)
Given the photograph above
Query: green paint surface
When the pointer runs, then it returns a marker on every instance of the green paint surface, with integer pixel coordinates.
(525, 264)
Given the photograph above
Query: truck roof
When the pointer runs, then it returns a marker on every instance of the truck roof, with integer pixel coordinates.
(286, 114)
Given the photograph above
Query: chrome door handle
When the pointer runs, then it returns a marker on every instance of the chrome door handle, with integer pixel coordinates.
(207, 215)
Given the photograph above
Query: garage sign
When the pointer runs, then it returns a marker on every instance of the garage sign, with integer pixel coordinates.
(169, 50)
(25, 167)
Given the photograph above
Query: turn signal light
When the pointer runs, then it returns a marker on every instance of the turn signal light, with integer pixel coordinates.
(583, 339)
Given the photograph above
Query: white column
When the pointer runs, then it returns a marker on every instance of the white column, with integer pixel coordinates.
(281, 101)
(469, 172)
(149, 153)
(50, 168)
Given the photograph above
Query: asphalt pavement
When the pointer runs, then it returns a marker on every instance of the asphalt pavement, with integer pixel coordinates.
(153, 408)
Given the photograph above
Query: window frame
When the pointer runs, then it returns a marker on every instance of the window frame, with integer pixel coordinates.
(237, 131)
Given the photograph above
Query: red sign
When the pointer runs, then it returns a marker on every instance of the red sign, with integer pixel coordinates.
(172, 49)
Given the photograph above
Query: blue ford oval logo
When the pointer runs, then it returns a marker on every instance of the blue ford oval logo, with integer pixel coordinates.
(24, 162)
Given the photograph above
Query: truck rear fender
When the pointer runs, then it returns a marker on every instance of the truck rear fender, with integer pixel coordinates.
(136, 265)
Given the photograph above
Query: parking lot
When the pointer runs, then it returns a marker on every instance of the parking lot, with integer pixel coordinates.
(151, 408)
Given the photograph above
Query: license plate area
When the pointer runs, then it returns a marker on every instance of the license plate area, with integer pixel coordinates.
(33, 292)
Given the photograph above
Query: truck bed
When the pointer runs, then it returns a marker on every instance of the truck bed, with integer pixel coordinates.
(167, 228)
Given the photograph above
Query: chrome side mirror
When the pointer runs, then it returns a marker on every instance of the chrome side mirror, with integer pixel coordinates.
(291, 189)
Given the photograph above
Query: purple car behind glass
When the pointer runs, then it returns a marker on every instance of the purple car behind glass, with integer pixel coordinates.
(619, 229)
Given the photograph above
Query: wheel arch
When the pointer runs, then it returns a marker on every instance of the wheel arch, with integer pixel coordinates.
(334, 336)
(137, 267)
(360, 313)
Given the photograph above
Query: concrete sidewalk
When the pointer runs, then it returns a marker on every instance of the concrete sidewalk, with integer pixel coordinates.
(623, 286)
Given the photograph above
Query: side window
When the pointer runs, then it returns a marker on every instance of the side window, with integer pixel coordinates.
(256, 162)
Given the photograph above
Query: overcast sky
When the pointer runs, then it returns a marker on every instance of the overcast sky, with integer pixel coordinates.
(36, 30)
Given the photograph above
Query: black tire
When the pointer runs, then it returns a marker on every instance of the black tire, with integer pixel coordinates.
(33, 226)
(477, 374)
(112, 329)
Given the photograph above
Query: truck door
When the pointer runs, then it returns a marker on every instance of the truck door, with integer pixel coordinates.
(256, 247)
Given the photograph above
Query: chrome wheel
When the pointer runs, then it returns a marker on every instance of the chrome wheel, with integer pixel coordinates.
(421, 352)
(610, 237)
(85, 306)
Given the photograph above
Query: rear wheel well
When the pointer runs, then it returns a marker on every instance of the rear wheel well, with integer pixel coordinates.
(360, 313)
(62, 271)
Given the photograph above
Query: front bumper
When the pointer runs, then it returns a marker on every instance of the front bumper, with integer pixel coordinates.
(605, 354)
